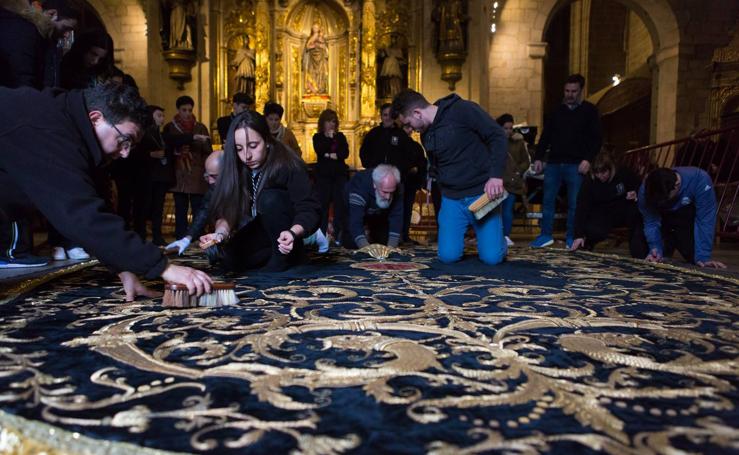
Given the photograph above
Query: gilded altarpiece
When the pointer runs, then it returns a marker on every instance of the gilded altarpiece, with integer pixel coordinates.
(311, 55)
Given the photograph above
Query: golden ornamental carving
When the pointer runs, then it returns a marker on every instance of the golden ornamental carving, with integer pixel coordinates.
(395, 18)
(725, 79)
(353, 49)
(280, 17)
(180, 63)
(295, 111)
(729, 53)
(241, 42)
(368, 60)
(719, 98)
(239, 17)
(392, 51)
(341, 107)
(450, 18)
(263, 53)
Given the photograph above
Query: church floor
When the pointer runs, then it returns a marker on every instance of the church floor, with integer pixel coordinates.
(547, 352)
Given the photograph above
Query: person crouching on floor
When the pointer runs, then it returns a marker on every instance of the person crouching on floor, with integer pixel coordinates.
(607, 199)
(375, 202)
(679, 209)
(263, 202)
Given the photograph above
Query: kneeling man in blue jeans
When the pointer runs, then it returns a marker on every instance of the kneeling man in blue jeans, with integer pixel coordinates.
(468, 152)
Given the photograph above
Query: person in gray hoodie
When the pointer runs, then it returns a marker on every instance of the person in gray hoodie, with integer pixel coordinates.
(468, 151)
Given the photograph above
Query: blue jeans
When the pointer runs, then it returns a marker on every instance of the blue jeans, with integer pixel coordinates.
(507, 212)
(554, 174)
(455, 217)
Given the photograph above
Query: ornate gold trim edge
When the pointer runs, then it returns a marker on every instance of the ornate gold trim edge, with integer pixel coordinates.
(29, 437)
(28, 285)
(672, 267)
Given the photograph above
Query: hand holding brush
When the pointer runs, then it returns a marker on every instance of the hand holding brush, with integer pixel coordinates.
(208, 240)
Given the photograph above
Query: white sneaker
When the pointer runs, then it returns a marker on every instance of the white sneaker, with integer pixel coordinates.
(78, 253)
(508, 241)
(322, 242)
(58, 253)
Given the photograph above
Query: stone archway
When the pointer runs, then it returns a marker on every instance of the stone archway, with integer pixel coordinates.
(518, 49)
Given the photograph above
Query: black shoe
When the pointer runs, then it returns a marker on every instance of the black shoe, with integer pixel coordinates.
(22, 262)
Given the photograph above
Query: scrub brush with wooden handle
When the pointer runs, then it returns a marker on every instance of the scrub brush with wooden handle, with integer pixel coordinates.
(178, 296)
(483, 205)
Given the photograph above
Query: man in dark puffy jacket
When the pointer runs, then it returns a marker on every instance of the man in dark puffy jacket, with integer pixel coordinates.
(468, 151)
(50, 145)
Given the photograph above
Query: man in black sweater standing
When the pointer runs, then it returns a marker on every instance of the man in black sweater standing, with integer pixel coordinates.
(468, 150)
(386, 144)
(241, 103)
(572, 137)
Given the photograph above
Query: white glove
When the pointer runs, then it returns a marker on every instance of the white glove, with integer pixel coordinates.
(180, 244)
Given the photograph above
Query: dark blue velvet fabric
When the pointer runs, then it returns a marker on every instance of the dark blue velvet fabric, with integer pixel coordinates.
(548, 352)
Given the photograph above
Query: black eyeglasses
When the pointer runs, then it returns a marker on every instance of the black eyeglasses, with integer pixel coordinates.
(124, 140)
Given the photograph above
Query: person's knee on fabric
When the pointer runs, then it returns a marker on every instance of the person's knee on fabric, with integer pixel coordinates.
(491, 245)
(492, 258)
(451, 247)
(450, 254)
(452, 228)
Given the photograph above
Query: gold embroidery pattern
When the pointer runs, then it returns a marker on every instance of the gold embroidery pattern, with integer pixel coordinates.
(546, 352)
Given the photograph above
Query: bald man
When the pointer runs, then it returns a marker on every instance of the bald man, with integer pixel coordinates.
(213, 166)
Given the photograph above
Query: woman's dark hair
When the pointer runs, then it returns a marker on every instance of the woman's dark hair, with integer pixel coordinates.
(231, 198)
(658, 186)
(153, 108)
(326, 116)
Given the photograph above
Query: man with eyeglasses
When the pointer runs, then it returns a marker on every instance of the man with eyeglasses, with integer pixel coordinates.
(50, 144)
(212, 170)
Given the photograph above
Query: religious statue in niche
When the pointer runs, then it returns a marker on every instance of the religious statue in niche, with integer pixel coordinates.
(315, 63)
(393, 65)
(179, 22)
(244, 63)
(451, 22)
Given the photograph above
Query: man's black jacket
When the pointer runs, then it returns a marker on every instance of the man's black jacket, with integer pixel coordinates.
(22, 52)
(571, 135)
(48, 153)
(384, 145)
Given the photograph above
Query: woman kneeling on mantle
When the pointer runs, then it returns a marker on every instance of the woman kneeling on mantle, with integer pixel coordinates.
(263, 202)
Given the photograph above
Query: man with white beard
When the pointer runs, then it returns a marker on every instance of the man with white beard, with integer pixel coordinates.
(375, 207)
